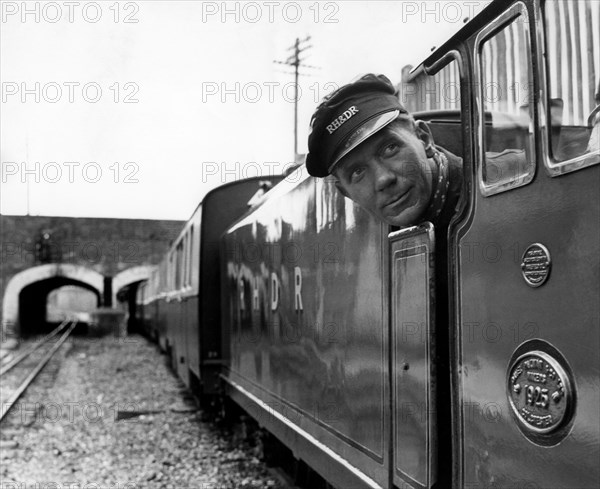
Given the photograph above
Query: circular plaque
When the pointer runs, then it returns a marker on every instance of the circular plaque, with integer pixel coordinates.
(540, 392)
(535, 264)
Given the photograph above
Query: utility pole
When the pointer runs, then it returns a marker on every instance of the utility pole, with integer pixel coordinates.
(294, 60)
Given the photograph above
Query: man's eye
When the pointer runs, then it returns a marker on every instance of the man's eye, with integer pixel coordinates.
(357, 173)
(390, 149)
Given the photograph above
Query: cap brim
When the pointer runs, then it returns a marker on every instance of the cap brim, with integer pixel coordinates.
(363, 132)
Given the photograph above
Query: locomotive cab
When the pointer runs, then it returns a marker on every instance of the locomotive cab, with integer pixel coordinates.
(523, 250)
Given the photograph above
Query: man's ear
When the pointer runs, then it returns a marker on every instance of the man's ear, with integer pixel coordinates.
(424, 134)
(341, 188)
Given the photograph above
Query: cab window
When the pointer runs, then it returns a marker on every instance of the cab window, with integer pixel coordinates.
(572, 36)
(436, 99)
(506, 94)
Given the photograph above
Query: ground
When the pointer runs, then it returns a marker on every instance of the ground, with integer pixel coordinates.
(109, 413)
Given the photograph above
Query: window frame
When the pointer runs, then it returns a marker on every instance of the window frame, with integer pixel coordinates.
(500, 23)
(191, 257)
(553, 168)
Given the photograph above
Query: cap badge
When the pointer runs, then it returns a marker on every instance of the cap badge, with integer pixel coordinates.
(338, 121)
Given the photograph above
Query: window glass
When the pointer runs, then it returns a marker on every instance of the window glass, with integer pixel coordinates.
(171, 272)
(191, 255)
(436, 99)
(573, 76)
(419, 91)
(184, 265)
(506, 94)
(178, 257)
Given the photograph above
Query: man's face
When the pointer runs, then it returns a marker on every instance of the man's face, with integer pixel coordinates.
(389, 174)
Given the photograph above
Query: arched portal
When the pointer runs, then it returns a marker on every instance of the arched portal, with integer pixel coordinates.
(35, 283)
(124, 289)
(130, 276)
(33, 305)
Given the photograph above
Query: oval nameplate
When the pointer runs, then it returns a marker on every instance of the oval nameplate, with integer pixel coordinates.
(539, 391)
(535, 264)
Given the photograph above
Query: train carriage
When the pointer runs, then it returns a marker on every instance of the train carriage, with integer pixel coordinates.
(335, 343)
(306, 310)
(181, 301)
(331, 329)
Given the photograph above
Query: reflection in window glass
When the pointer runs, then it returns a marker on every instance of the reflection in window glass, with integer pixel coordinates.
(171, 272)
(191, 255)
(420, 92)
(573, 67)
(439, 95)
(184, 265)
(507, 91)
(178, 265)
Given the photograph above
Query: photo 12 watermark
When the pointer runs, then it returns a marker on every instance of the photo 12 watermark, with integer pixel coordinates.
(69, 12)
(53, 92)
(270, 12)
(288, 334)
(441, 11)
(232, 171)
(70, 411)
(68, 251)
(69, 172)
(322, 411)
(472, 332)
(286, 253)
(67, 485)
(252, 92)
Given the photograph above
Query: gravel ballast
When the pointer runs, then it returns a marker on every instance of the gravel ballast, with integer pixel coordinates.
(109, 413)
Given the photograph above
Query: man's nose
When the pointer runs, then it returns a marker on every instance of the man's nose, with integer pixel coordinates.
(384, 176)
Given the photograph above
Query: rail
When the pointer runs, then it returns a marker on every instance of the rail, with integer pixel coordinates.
(8, 404)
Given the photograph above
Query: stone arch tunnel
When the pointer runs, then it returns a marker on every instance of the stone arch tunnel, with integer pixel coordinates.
(42, 256)
(24, 305)
(26, 294)
(124, 289)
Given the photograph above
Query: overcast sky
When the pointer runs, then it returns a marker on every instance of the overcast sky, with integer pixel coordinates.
(137, 109)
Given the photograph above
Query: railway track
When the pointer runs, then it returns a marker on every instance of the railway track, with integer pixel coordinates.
(17, 373)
